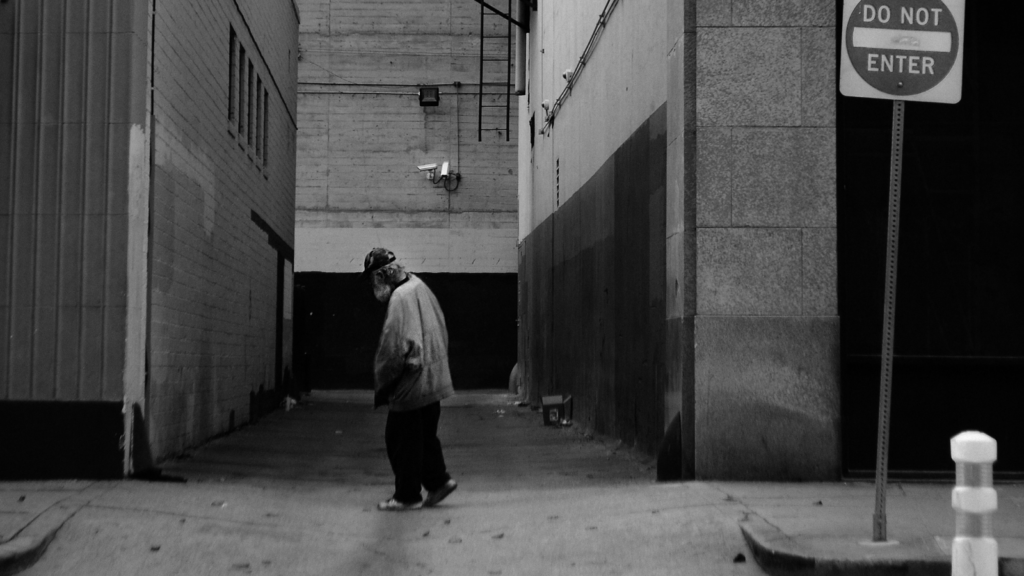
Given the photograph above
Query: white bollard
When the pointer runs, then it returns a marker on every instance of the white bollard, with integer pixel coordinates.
(975, 552)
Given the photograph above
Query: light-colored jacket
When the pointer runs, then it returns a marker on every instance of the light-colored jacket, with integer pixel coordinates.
(412, 357)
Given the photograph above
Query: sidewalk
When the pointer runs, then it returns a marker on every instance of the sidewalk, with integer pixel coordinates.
(826, 528)
(295, 494)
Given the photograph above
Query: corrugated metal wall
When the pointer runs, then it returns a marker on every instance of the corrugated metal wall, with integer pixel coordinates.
(65, 107)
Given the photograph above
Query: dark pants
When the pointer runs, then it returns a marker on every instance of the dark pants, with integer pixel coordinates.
(415, 452)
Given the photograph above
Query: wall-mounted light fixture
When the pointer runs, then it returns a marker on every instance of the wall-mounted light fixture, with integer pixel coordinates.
(430, 96)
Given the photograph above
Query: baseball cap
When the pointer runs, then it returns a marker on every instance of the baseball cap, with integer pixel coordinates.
(376, 259)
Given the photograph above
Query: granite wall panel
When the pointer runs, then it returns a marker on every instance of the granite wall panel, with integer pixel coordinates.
(818, 76)
(748, 76)
(783, 177)
(743, 271)
(714, 174)
(783, 13)
(767, 398)
(820, 297)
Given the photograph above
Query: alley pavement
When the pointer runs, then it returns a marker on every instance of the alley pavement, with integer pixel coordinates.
(296, 494)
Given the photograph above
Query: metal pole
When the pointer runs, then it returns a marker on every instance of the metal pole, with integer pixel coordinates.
(480, 92)
(508, 73)
(888, 322)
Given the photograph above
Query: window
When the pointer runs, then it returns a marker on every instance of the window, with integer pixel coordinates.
(248, 103)
(266, 122)
(232, 79)
(249, 108)
(259, 117)
(241, 91)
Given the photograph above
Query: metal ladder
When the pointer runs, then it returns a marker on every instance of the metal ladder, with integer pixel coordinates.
(495, 96)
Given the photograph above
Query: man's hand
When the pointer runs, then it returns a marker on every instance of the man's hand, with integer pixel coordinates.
(380, 398)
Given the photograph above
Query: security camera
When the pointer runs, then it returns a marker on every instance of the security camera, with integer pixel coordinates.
(546, 104)
(429, 169)
(567, 74)
(444, 170)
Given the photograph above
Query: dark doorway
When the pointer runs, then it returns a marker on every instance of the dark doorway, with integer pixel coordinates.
(959, 347)
(338, 322)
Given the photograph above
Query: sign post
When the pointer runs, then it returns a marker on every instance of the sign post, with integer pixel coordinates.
(898, 50)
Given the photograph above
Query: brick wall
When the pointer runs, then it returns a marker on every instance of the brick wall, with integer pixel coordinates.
(213, 285)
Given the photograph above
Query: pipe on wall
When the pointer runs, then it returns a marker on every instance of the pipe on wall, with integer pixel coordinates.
(523, 13)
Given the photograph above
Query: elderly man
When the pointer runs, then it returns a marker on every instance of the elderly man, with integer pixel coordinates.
(411, 376)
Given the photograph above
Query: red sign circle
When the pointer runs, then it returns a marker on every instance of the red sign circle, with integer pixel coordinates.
(902, 64)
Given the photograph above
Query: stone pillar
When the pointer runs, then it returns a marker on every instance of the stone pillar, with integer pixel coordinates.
(766, 326)
(680, 224)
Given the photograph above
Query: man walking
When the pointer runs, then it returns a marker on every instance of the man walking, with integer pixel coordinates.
(411, 376)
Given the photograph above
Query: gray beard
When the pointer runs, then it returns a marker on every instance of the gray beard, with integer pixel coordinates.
(382, 291)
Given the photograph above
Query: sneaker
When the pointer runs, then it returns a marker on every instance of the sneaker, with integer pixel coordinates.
(435, 497)
(393, 505)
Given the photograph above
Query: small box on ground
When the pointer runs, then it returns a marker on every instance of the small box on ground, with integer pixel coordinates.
(556, 410)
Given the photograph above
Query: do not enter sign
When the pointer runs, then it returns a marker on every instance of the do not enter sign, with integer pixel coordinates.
(902, 49)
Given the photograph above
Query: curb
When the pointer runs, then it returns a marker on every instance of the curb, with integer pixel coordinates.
(779, 554)
(28, 546)
(22, 552)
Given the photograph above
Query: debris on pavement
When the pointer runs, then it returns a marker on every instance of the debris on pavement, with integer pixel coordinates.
(739, 559)
(154, 548)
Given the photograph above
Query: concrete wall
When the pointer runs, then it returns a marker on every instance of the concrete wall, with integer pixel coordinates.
(593, 305)
(218, 201)
(362, 133)
(621, 88)
(747, 339)
(592, 292)
(766, 331)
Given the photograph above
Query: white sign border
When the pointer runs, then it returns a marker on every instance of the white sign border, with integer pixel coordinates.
(948, 91)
